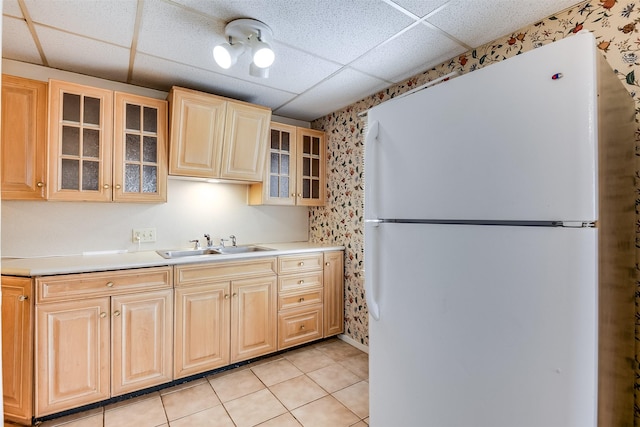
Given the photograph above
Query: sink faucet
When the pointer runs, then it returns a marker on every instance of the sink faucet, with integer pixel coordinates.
(209, 242)
(196, 244)
(222, 242)
(233, 240)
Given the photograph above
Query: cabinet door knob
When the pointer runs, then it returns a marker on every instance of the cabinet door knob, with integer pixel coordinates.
(226, 296)
(23, 297)
(301, 300)
(109, 284)
(106, 186)
(40, 184)
(116, 313)
(300, 282)
(300, 264)
(302, 327)
(234, 295)
(118, 186)
(103, 315)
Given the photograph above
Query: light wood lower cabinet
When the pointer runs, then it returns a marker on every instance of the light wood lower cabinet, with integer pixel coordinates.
(225, 312)
(17, 348)
(253, 317)
(91, 349)
(333, 293)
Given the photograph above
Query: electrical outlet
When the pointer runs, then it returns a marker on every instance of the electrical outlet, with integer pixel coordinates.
(143, 235)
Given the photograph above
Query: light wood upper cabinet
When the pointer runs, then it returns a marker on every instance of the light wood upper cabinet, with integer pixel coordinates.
(140, 149)
(216, 137)
(17, 348)
(295, 172)
(80, 142)
(24, 139)
(197, 131)
(93, 157)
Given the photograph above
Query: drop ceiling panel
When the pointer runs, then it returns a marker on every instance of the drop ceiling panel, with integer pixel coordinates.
(109, 21)
(344, 88)
(410, 53)
(154, 72)
(480, 21)
(17, 41)
(172, 32)
(84, 56)
(337, 30)
(11, 8)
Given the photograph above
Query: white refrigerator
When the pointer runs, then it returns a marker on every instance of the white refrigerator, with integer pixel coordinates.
(499, 247)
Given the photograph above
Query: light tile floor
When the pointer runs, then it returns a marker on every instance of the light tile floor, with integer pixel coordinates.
(321, 385)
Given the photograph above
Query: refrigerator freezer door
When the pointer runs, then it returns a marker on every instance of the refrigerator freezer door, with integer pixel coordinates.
(506, 142)
(483, 326)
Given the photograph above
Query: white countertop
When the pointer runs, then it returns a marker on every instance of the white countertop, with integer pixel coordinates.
(44, 266)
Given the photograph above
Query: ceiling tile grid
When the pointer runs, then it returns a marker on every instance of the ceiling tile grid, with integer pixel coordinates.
(329, 53)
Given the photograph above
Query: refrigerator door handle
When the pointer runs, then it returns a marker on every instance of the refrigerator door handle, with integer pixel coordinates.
(370, 271)
(371, 163)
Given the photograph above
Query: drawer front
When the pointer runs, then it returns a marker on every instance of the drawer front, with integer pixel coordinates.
(300, 299)
(300, 282)
(193, 274)
(74, 286)
(299, 326)
(300, 263)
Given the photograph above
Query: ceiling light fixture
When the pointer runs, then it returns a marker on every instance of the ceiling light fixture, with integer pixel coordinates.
(244, 34)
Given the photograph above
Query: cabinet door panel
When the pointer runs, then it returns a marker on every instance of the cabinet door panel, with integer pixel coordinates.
(333, 293)
(140, 146)
(17, 348)
(245, 142)
(311, 183)
(197, 132)
(80, 142)
(202, 323)
(72, 344)
(253, 318)
(141, 341)
(24, 139)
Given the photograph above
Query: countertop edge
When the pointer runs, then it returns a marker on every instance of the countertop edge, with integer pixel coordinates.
(55, 265)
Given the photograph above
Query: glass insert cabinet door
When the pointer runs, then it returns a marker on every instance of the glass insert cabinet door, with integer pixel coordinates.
(281, 165)
(80, 142)
(140, 171)
(311, 167)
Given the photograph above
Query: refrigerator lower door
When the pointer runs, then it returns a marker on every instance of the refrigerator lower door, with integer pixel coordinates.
(482, 326)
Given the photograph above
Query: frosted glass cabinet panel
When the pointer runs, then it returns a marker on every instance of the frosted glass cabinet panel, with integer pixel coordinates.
(140, 172)
(311, 175)
(80, 142)
(295, 168)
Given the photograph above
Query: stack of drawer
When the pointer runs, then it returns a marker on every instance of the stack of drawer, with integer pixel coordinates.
(300, 299)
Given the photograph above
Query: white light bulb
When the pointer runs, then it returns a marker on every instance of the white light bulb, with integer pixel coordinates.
(222, 56)
(263, 55)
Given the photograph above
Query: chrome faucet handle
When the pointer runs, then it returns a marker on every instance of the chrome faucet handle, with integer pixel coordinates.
(196, 243)
(209, 242)
(222, 242)
(233, 240)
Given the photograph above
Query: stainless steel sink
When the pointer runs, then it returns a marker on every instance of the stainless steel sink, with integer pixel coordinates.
(219, 250)
(187, 252)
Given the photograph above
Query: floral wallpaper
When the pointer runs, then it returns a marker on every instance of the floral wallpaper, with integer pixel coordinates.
(616, 26)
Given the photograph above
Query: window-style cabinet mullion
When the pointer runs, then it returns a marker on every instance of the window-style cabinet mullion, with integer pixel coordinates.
(311, 167)
(80, 141)
(140, 149)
